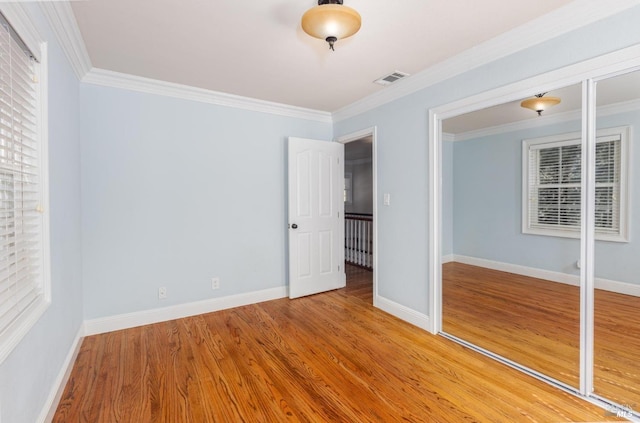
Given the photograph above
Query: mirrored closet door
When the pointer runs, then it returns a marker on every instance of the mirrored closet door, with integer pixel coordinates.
(616, 373)
(511, 180)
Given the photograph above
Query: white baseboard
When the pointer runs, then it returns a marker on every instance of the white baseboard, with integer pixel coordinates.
(57, 389)
(604, 284)
(147, 317)
(402, 312)
(447, 258)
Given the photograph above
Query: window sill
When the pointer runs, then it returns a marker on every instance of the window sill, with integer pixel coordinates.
(568, 233)
(12, 337)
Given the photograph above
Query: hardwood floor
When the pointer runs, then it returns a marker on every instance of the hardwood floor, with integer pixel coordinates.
(330, 357)
(359, 283)
(536, 323)
(617, 347)
(530, 321)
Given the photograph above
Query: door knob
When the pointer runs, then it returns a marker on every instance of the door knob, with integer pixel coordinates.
(294, 226)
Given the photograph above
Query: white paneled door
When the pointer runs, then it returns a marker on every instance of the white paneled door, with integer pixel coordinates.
(316, 216)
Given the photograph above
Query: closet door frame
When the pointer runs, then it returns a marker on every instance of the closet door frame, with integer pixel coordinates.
(587, 73)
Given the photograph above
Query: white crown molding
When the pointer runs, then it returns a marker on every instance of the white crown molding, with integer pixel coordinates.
(65, 27)
(147, 317)
(609, 110)
(575, 15)
(519, 125)
(109, 78)
(446, 136)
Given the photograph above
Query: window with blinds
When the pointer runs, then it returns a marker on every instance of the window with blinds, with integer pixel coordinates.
(552, 172)
(23, 291)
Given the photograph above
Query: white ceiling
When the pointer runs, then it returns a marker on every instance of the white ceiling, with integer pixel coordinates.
(256, 48)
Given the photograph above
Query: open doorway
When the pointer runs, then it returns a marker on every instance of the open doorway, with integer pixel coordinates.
(359, 206)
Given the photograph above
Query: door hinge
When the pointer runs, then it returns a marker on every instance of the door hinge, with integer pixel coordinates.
(338, 268)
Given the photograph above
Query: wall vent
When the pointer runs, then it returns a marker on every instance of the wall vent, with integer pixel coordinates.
(391, 78)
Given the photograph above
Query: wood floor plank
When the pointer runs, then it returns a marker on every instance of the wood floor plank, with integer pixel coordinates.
(330, 357)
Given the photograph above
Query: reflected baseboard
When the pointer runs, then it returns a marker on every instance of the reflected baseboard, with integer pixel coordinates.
(566, 278)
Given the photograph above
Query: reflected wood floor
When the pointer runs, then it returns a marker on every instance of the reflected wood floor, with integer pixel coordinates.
(330, 357)
(536, 323)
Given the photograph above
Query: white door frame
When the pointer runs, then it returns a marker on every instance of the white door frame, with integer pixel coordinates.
(354, 136)
(584, 73)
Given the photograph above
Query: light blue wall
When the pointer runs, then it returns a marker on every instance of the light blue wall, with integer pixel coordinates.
(27, 376)
(487, 206)
(403, 154)
(402, 169)
(615, 261)
(175, 192)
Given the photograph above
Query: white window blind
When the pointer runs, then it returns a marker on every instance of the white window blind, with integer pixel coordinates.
(21, 191)
(553, 187)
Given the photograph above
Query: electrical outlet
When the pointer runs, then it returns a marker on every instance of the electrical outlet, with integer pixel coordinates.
(215, 283)
(162, 293)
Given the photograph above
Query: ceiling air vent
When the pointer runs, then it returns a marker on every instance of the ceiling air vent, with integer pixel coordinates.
(391, 78)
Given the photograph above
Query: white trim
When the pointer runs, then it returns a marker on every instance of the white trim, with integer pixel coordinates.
(43, 127)
(549, 275)
(446, 136)
(537, 122)
(63, 22)
(587, 234)
(354, 136)
(434, 282)
(125, 81)
(147, 317)
(21, 327)
(575, 15)
(447, 258)
(57, 389)
(407, 314)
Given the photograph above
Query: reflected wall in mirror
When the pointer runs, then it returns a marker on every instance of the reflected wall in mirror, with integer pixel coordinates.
(511, 227)
(617, 264)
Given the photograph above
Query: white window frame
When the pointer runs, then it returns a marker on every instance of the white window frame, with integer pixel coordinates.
(574, 138)
(11, 336)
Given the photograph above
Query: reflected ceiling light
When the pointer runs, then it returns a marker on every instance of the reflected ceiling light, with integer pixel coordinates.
(539, 103)
(331, 21)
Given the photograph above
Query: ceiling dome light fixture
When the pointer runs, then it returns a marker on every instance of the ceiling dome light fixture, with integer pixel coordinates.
(539, 103)
(331, 21)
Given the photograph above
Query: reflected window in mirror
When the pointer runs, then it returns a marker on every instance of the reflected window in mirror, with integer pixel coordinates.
(552, 185)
